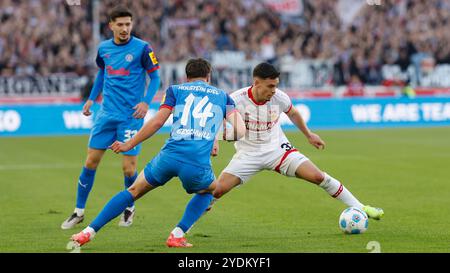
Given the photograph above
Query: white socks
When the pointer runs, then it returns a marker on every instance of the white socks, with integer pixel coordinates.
(177, 232)
(79, 212)
(90, 231)
(338, 191)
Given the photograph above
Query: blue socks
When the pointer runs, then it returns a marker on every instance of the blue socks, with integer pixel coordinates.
(112, 209)
(194, 210)
(128, 181)
(85, 183)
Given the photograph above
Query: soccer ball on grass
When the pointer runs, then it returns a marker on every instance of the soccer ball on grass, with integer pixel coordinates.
(353, 221)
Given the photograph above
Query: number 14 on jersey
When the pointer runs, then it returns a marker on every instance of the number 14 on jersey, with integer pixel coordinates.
(196, 113)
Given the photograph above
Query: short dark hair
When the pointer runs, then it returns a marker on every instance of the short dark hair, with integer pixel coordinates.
(265, 71)
(119, 11)
(198, 68)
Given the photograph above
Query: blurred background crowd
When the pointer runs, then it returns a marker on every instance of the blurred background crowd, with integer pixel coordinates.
(42, 37)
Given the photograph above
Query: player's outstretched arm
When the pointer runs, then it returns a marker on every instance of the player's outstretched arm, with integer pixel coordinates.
(297, 119)
(238, 124)
(150, 128)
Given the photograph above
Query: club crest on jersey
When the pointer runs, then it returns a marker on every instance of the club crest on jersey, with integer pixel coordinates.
(273, 114)
(129, 58)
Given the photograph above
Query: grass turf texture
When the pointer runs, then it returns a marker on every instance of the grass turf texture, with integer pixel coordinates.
(404, 171)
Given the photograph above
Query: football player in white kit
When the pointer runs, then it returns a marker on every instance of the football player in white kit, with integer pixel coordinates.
(265, 146)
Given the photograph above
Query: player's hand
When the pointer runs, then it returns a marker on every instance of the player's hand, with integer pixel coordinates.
(141, 110)
(87, 107)
(119, 147)
(316, 141)
(215, 149)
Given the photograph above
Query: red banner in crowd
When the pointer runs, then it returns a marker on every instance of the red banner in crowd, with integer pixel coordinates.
(287, 7)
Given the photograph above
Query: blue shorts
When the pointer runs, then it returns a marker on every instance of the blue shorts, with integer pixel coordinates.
(108, 129)
(163, 168)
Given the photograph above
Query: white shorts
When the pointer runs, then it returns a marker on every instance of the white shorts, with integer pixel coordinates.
(245, 165)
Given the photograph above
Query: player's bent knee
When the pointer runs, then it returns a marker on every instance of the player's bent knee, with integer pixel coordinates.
(140, 187)
(225, 183)
(218, 192)
(129, 171)
(316, 177)
(310, 173)
(93, 158)
(319, 177)
(92, 163)
(135, 192)
(129, 168)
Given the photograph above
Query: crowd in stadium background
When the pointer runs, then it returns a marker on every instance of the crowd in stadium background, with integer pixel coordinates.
(355, 39)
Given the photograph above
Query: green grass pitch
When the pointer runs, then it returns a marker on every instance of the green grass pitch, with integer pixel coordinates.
(404, 171)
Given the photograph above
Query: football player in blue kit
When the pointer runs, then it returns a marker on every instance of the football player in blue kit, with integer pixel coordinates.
(123, 62)
(199, 110)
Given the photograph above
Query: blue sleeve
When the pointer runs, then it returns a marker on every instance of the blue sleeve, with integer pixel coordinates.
(99, 61)
(230, 106)
(169, 100)
(148, 59)
(98, 85)
(152, 87)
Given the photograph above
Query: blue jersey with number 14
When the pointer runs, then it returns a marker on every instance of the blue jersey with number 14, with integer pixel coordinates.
(198, 113)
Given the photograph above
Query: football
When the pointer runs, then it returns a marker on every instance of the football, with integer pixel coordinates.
(353, 221)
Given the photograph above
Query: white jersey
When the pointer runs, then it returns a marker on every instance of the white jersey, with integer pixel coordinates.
(262, 121)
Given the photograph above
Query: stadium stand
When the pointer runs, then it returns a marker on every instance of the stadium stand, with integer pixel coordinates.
(397, 44)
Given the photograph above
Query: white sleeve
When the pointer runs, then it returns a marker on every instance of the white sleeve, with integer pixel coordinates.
(236, 97)
(285, 101)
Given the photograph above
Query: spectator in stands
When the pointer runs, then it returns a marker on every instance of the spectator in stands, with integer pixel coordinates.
(355, 87)
(42, 37)
(51, 37)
